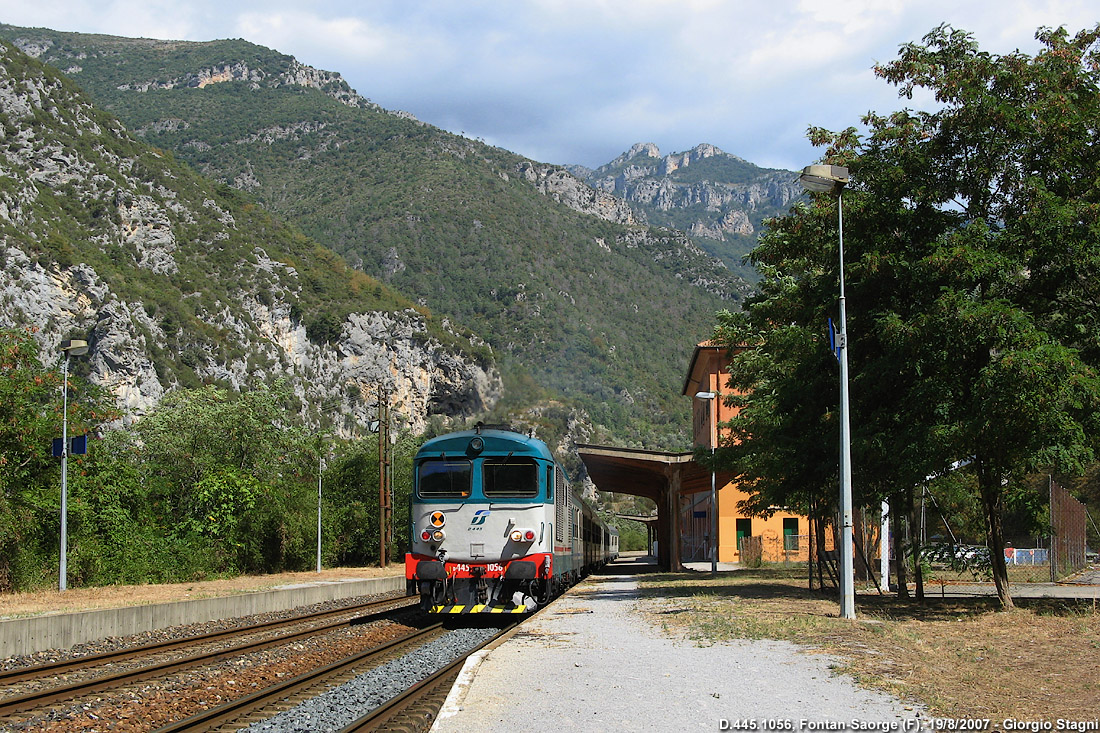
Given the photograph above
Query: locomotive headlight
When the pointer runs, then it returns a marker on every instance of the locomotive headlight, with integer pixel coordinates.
(438, 535)
(529, 535)
(522, 535)
(517, 535)
(426, 535)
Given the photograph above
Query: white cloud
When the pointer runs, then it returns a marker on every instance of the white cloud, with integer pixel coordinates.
(348, 37)
(136, 18)
(581, 80)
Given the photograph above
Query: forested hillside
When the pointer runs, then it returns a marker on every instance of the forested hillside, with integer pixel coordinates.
(597, 310)
(177, 281)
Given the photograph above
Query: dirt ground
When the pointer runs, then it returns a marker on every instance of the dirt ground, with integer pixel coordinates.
(962, 657)
(14, 605)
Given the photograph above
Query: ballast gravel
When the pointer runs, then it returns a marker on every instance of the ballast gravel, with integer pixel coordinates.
(590, 662)
(342, 705)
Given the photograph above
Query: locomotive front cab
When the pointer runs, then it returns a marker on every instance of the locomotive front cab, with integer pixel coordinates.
(482, 537)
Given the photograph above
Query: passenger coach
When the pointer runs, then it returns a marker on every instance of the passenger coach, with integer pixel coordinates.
(495, 526)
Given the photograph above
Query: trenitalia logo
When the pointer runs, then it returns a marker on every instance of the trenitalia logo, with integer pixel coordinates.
(479, 517)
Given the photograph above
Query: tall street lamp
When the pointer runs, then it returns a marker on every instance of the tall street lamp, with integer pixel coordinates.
(833, 179)
(320, 473)
(70, 347)
(710, 398)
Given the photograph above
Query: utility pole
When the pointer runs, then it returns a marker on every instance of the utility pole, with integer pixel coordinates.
(384, 474)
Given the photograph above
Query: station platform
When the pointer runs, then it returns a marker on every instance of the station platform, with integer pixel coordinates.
(593, 662)
(61, 625)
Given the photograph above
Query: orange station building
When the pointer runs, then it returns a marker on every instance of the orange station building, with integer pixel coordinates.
(783, 535)
(681, 487)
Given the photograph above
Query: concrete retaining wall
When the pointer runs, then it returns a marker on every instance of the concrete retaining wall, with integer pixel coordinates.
(60, 631)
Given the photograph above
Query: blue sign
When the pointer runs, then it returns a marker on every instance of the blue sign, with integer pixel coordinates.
(78, 446)
(834, 342)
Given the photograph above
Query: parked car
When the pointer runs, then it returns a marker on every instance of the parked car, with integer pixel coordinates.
(959, 557)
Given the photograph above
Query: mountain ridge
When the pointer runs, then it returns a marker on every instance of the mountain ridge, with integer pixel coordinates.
(560, 279)
(717, 198)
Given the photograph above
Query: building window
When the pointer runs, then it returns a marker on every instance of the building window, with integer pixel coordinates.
(790, 533)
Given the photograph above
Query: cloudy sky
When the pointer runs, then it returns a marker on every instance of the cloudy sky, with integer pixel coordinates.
(579, 81)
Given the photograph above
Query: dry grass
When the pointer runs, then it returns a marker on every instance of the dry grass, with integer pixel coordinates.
(14, 605)
(959, 657)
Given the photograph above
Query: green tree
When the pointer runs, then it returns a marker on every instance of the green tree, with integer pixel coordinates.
(30, 486)
(972, 254)
(351, 501)
(231, 468)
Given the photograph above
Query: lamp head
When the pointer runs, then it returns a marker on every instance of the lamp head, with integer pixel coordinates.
(705, 395)
(823, 178)
(74, 347)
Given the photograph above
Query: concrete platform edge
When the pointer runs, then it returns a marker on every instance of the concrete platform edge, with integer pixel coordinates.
(60, 631)
(453, 704)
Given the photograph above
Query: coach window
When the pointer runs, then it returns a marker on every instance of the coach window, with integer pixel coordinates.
(444, 478)
(513, 478)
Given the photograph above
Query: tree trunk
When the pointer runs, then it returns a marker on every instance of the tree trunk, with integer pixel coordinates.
(901, 545)
(914, 546)
(820, 537)
(989, 485)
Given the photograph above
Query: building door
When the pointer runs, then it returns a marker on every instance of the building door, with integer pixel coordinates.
(744, 529)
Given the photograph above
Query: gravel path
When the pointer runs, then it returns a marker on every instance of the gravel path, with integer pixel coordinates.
(590, 663)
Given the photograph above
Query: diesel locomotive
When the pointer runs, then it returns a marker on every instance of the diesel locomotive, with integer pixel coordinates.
(496, 527)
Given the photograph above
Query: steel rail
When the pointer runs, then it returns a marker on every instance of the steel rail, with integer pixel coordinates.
(378, 718)
(216, 716)
(386, 716)
(22, 674)
(66, 692)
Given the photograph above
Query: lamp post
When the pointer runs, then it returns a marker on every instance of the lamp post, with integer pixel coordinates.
(833, 179)
(70, 347)
(710, 398)
(320, 472)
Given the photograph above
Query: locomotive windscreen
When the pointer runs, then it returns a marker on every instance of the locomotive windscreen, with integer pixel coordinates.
(510, 477)
(445, 478)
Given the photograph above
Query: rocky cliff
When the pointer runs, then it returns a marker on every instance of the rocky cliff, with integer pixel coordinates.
(712, 195)
(176, 282)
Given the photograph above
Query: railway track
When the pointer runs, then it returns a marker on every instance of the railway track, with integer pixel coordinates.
(123, 668)
(412, 710)
(258, 705)
(81, 704)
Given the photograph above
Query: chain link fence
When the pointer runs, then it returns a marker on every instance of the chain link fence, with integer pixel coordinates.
(945, 560)
(1068, 528)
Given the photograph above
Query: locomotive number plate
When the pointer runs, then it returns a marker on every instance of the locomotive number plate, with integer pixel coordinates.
(493, 567)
